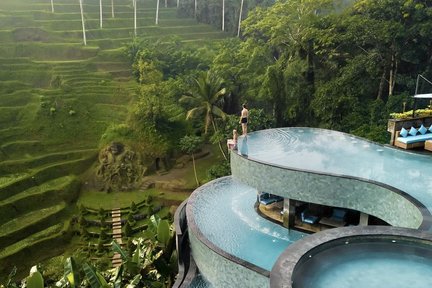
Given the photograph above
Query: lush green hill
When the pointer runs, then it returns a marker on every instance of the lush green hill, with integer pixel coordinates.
(57, 97)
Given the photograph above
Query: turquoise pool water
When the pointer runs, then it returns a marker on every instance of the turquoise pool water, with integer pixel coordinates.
(368, 265)
(224, 212)
(326, 151)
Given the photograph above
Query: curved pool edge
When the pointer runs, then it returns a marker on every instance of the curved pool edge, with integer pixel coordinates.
(282, 272)
(193, 227)
(257, 167)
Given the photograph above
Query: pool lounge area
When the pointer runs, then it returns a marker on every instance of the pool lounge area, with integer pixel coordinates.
(223, 240)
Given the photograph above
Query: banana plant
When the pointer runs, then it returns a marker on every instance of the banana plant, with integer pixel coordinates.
(35, 279)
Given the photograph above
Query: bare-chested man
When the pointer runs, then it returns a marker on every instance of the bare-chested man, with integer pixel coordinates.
(244, 119)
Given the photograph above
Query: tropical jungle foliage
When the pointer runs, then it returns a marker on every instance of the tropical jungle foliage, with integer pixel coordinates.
(343, 65)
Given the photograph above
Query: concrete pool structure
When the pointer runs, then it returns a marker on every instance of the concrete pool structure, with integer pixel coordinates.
(233, 246)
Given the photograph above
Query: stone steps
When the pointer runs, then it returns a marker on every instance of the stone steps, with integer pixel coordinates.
(117, 235)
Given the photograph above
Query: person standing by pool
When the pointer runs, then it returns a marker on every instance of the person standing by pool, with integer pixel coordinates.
(244, 119)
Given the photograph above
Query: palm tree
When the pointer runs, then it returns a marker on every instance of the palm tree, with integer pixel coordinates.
(112, 8)
(204, 97)
(52, 6)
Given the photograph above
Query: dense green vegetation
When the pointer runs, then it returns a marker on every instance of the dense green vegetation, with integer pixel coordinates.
(139, 102)
(57, 99)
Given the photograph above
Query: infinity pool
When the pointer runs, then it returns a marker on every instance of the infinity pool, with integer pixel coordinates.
(333, 152)
(221, 214)
(224, 212)
(372, 264)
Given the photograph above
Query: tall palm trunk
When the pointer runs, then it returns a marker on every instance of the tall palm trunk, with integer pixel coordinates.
(52, 6)
(219, 142)
(100, 13)
(195, 172)
(240, 18)
(83, 25)
(135, 20)
(223, 15)
(157, 12)
(112, 8)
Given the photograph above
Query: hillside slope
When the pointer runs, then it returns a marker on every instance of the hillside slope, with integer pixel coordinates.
(57, 97)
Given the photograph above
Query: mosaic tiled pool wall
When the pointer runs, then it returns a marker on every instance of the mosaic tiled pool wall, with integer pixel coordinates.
(222, 272)
(332, 190)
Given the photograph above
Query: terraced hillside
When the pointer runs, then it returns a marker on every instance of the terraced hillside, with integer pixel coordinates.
(57, 97)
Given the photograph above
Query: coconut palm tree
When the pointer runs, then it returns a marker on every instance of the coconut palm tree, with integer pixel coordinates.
(52, 6)
(112, 8)
(205, 98)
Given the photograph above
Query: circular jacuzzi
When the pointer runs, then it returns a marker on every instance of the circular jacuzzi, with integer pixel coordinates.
(361, 257)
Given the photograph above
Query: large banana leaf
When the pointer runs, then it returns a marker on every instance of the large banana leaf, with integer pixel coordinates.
(35, 279)
(163, 232)
(71, 272)
(116, 248)
(134, 281)
(118, 277)
(136, 255)
(95, 279)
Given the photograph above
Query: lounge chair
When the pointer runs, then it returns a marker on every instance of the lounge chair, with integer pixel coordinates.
(306, 217)
(265, 198)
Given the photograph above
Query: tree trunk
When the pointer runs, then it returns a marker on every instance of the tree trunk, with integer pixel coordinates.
(166, 3)
(135, 20)
(157, 12)
(219, 142)
(393, 73)
(240, 18)
(52, 6)
(381, 85)
(112, 8)
(100, 13)
(195, 9)
(223, 15)
(82, 21)
(196, 176)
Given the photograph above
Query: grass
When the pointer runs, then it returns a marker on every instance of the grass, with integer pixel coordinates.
(202, 167)
(36, 46)
(27, 224)
(97, 199)
(26, 242)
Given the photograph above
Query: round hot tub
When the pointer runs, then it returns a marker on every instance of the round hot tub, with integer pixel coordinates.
(366, 262)
(357, 257)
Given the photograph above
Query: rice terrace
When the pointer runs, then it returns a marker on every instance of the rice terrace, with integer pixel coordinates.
(215, 143)
(57, 98)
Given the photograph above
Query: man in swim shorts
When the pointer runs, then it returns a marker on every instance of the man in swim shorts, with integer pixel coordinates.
(244, 119)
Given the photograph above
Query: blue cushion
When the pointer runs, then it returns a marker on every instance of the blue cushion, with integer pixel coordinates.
(422, 130)
(430, 128)
(403, 132)
(339, 214)
(413, 131)
(414, 139)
